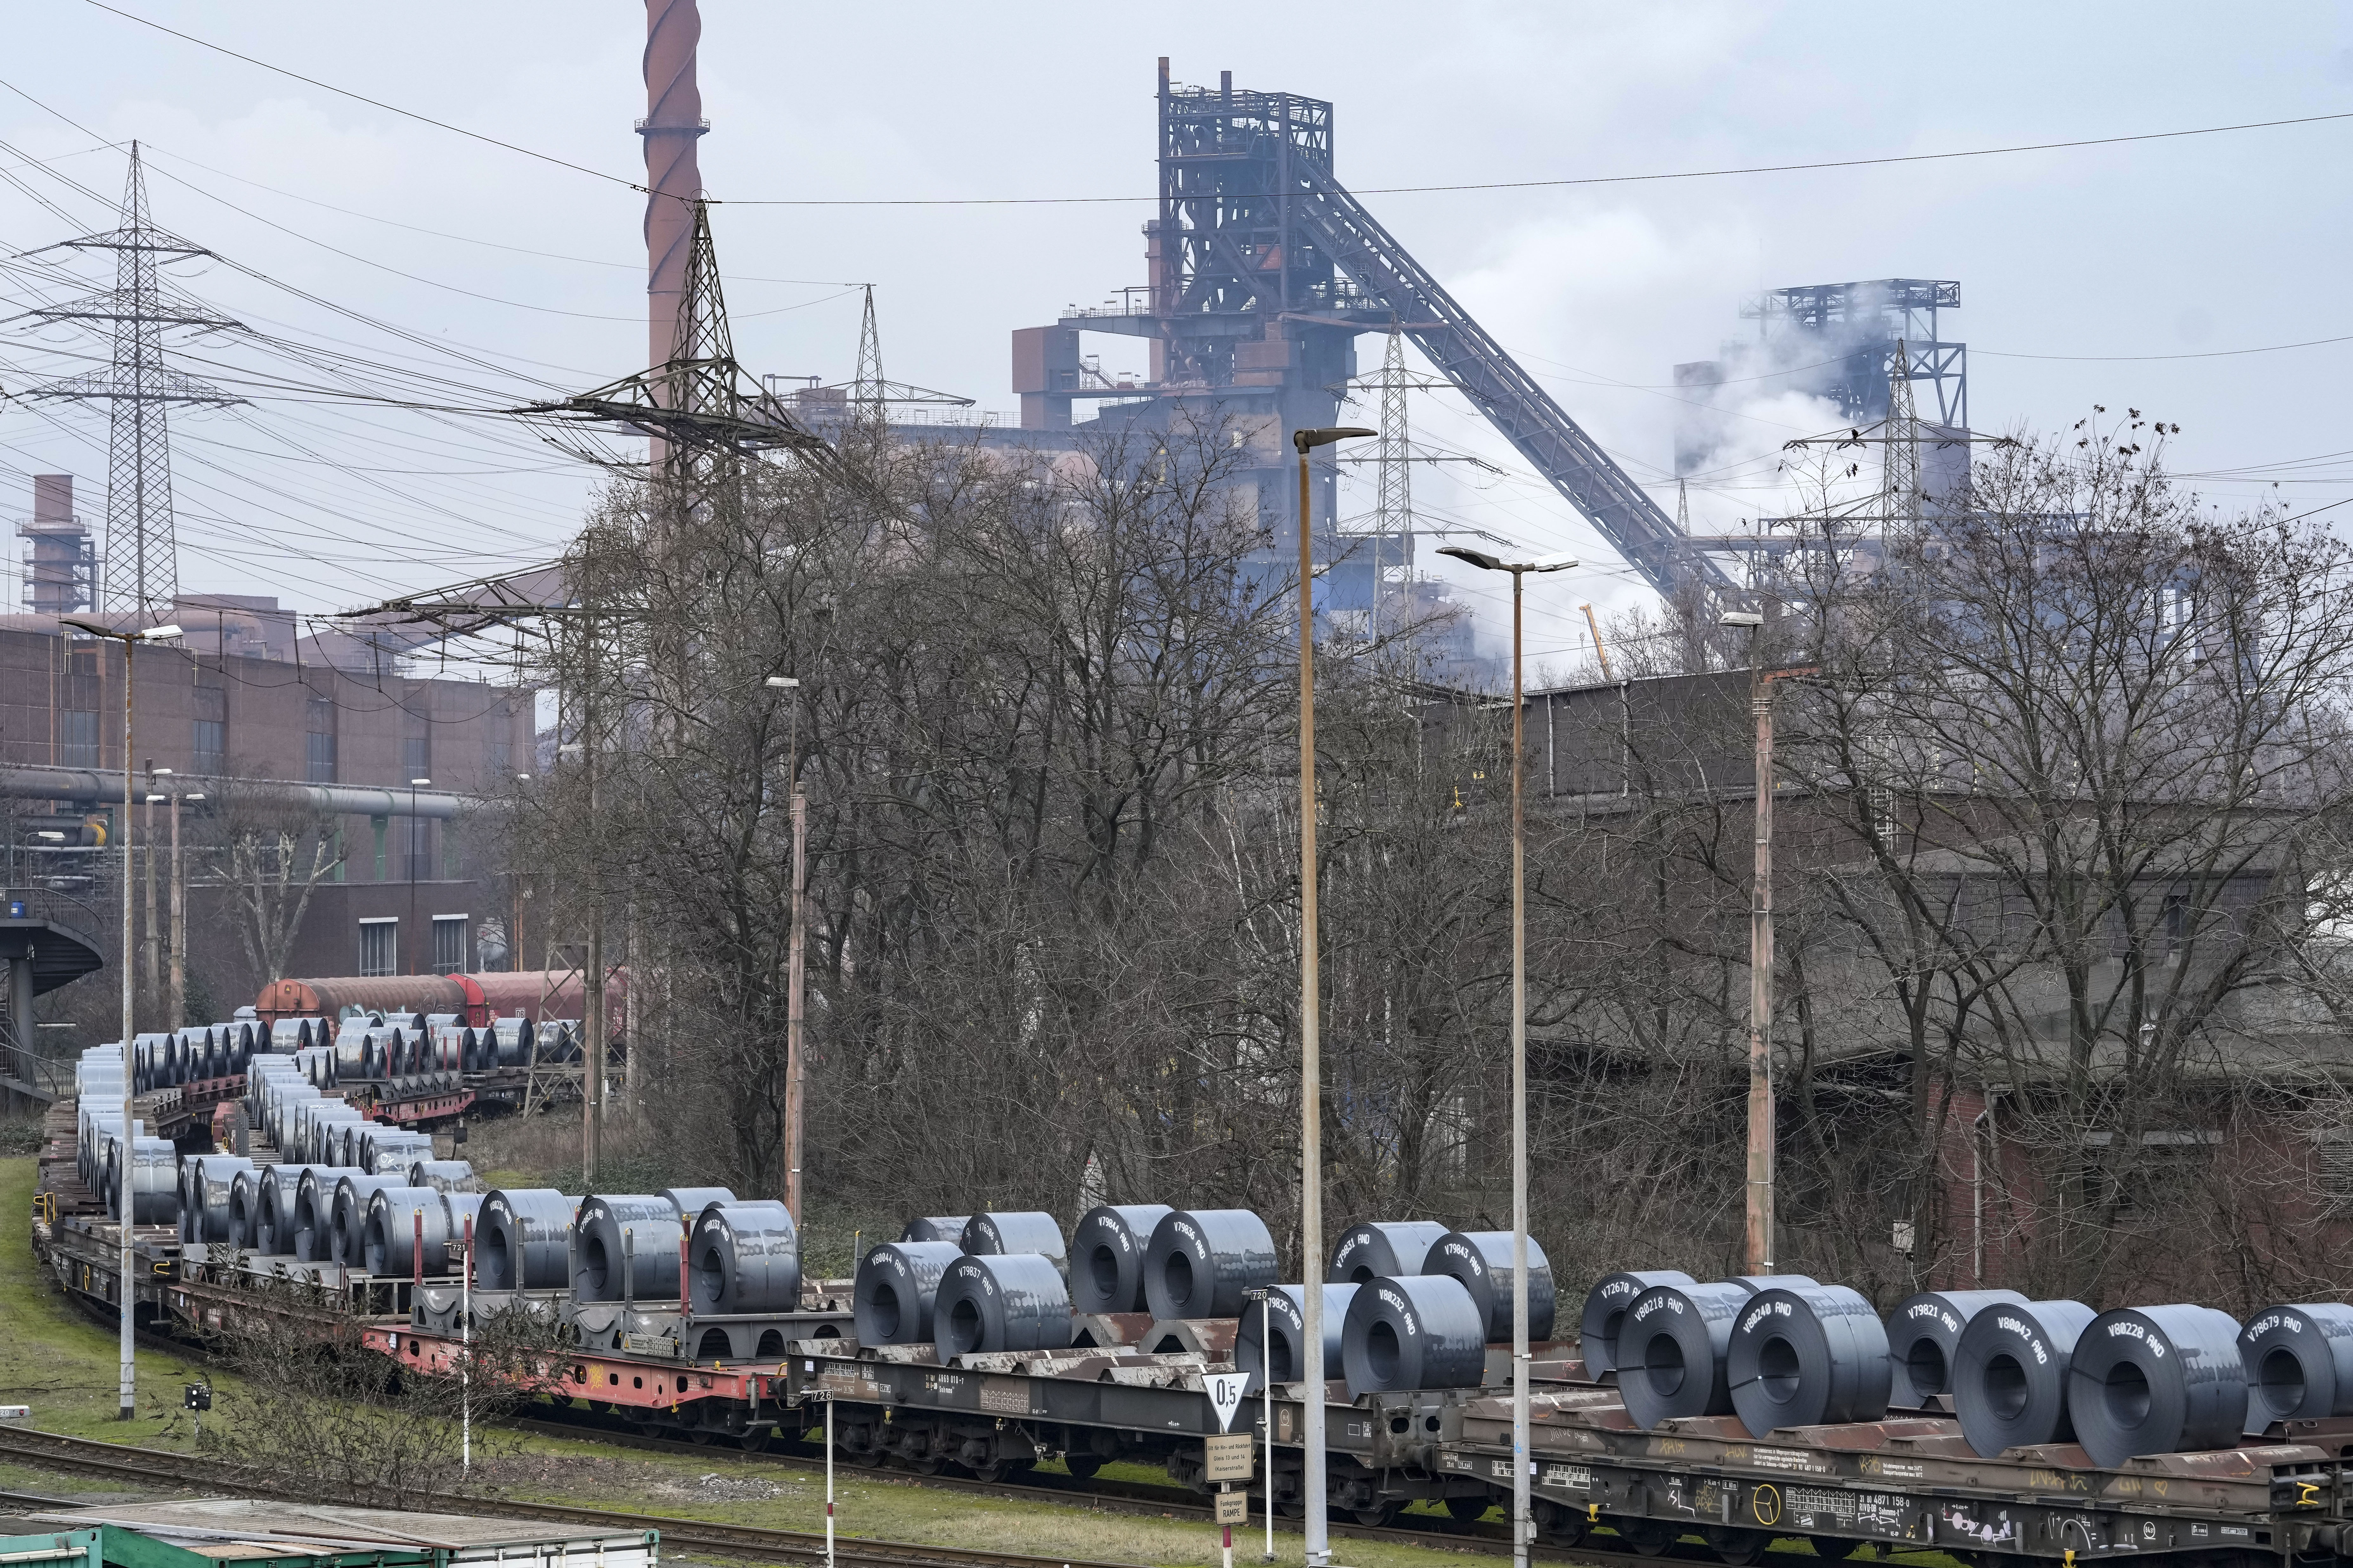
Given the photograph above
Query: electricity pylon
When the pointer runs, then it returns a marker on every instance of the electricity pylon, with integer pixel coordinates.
(140, 576)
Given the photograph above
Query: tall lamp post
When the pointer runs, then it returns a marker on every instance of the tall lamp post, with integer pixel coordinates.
(122, 1226)
(1311, 1073)
(796, 1070)
(1521, 1530)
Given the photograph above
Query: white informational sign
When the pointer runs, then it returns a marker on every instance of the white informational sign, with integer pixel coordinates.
(1226, 1395)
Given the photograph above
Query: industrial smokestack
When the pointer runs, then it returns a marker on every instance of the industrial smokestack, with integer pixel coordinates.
(672, 125)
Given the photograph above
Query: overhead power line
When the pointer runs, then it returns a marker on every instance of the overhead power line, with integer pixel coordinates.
(1883, 160)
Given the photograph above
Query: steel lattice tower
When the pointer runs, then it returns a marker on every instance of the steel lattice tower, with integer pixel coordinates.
(868, 392)
(1900, 457)
(140, 576)
(1393, 513)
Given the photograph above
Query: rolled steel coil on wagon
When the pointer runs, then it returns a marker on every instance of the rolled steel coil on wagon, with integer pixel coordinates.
(1022, 1230)
(615, 1228)
(1671, 1351)
(1482, 1259)
(214, 1178)
(1604, 1308)
(154, 1182)
(444, 1175)
(691, 1201)
(288, 1036)
(1202, 1261)
(2010, 1374)
(397, 1217)
(275, 1225)
(1808, 1356)
(526, 1240)
(389, 1152)
(511, 1040)
(2300, 1362)
(1922, 1335)
(2158, 1380)
(352, 1191)
(898, 1284)
(244, 1209)
(1000, 1302)
(314, 1214)
(948, 1227)
(191, 1219)
(1283, 1314)
(1381, 1248)
(465, 1215)
(744, 1258)
(1412, 1331)
(1107, 1248)
(279, 1117)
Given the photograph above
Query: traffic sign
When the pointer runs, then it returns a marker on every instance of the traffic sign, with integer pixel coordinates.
(1226, 1395)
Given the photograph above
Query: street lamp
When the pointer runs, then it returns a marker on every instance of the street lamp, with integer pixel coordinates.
(795, 1064)
(1311, 1073)
(1521, 1521)
(413, 785)
(129, 641)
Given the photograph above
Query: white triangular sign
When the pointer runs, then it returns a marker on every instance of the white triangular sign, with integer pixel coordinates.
(1226, 1395)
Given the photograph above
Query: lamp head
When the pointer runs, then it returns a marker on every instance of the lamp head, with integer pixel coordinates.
(1304, 440)
(158, 634)
(418, 783)
(1479, 558)
(781, 682)
(1749, 618)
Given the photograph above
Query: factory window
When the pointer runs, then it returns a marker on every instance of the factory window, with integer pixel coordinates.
(78, 739)
(450, 944)
(380, 946)
(319, 747)
(379, 824)
(501, 744)
(208, 746)
(417, 837)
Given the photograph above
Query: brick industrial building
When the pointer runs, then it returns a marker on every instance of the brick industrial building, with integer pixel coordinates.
(250, 711)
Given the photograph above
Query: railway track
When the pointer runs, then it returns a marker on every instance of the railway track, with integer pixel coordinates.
(148, 1466)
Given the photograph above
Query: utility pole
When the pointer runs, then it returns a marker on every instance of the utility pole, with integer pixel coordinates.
(1311, 1069)
(1393, 510)
(868, 392)
(795, 1060)
(150, 945)
(592, 1001)
(175, 1003)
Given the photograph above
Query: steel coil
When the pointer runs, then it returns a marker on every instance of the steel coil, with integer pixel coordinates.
(1383, 1247)
(1410, 1331)
(154, 1183)
(395, 1218)
(1808, 1356)
(1922, 1335)
(1107, 1248)
(511, 1040)
(244, 1209)
(617, 1229)
(2010, 1374)
(2300, 1362)
(1284, 1315)
(1482, 1259)
(898, 1285)
(445, 1175)
(1671, 1351)
(1025, 1230)
(464, 1215)
(274, 1221)
(995, 1302)
(349, 1215)
(745, 1258)
(314, 1214)
(690, 1202)
(1604, 1308)
(1201, 1261)
(526, 1240)
(948, 1227)
(1753, 1283)
(214, 1177)
(2158, 1380)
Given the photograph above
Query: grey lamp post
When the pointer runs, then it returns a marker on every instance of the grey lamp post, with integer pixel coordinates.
(128, 640)
(1520, 1522)
(1310, 1075)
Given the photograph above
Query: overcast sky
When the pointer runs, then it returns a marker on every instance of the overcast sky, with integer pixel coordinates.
(2177, 246)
